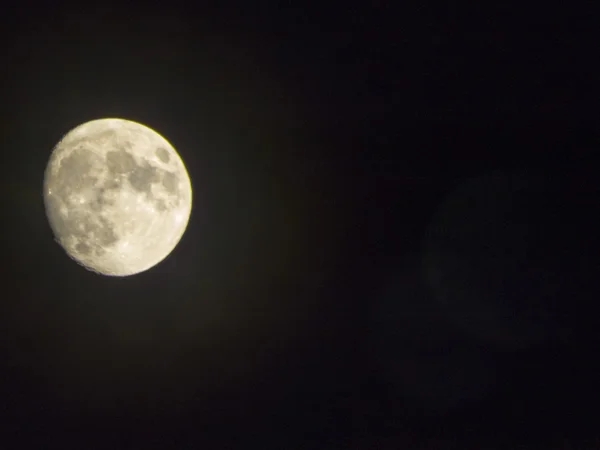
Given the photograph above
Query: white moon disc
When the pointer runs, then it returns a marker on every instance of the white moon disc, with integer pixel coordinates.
(118, 196)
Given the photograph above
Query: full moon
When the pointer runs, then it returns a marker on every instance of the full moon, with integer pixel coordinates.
(117, 196)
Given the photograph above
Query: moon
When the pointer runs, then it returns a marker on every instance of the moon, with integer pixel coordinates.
(117, 195)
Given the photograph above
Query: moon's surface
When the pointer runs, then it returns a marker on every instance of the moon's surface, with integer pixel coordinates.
(118, 196)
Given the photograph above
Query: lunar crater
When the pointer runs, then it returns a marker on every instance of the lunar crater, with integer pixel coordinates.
(120, 161)
(142, 177)
(162, 154)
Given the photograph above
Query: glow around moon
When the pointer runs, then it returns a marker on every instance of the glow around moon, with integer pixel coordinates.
(118, 196)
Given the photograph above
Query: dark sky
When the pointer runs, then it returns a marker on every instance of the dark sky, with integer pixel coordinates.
(393, 243)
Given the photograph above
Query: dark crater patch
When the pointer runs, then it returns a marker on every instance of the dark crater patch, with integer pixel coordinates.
(162, 154)
(170, 182)
(83, 248)
(142, 177)
(100, 200)
(105, 235)
(119, 162)
(112, 184)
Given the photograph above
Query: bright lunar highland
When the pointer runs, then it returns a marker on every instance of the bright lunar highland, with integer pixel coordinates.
(117, 195)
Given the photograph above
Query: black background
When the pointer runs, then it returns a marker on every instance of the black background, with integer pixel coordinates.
(393, 241)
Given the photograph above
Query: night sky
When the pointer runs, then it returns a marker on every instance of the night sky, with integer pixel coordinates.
(393, 241)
